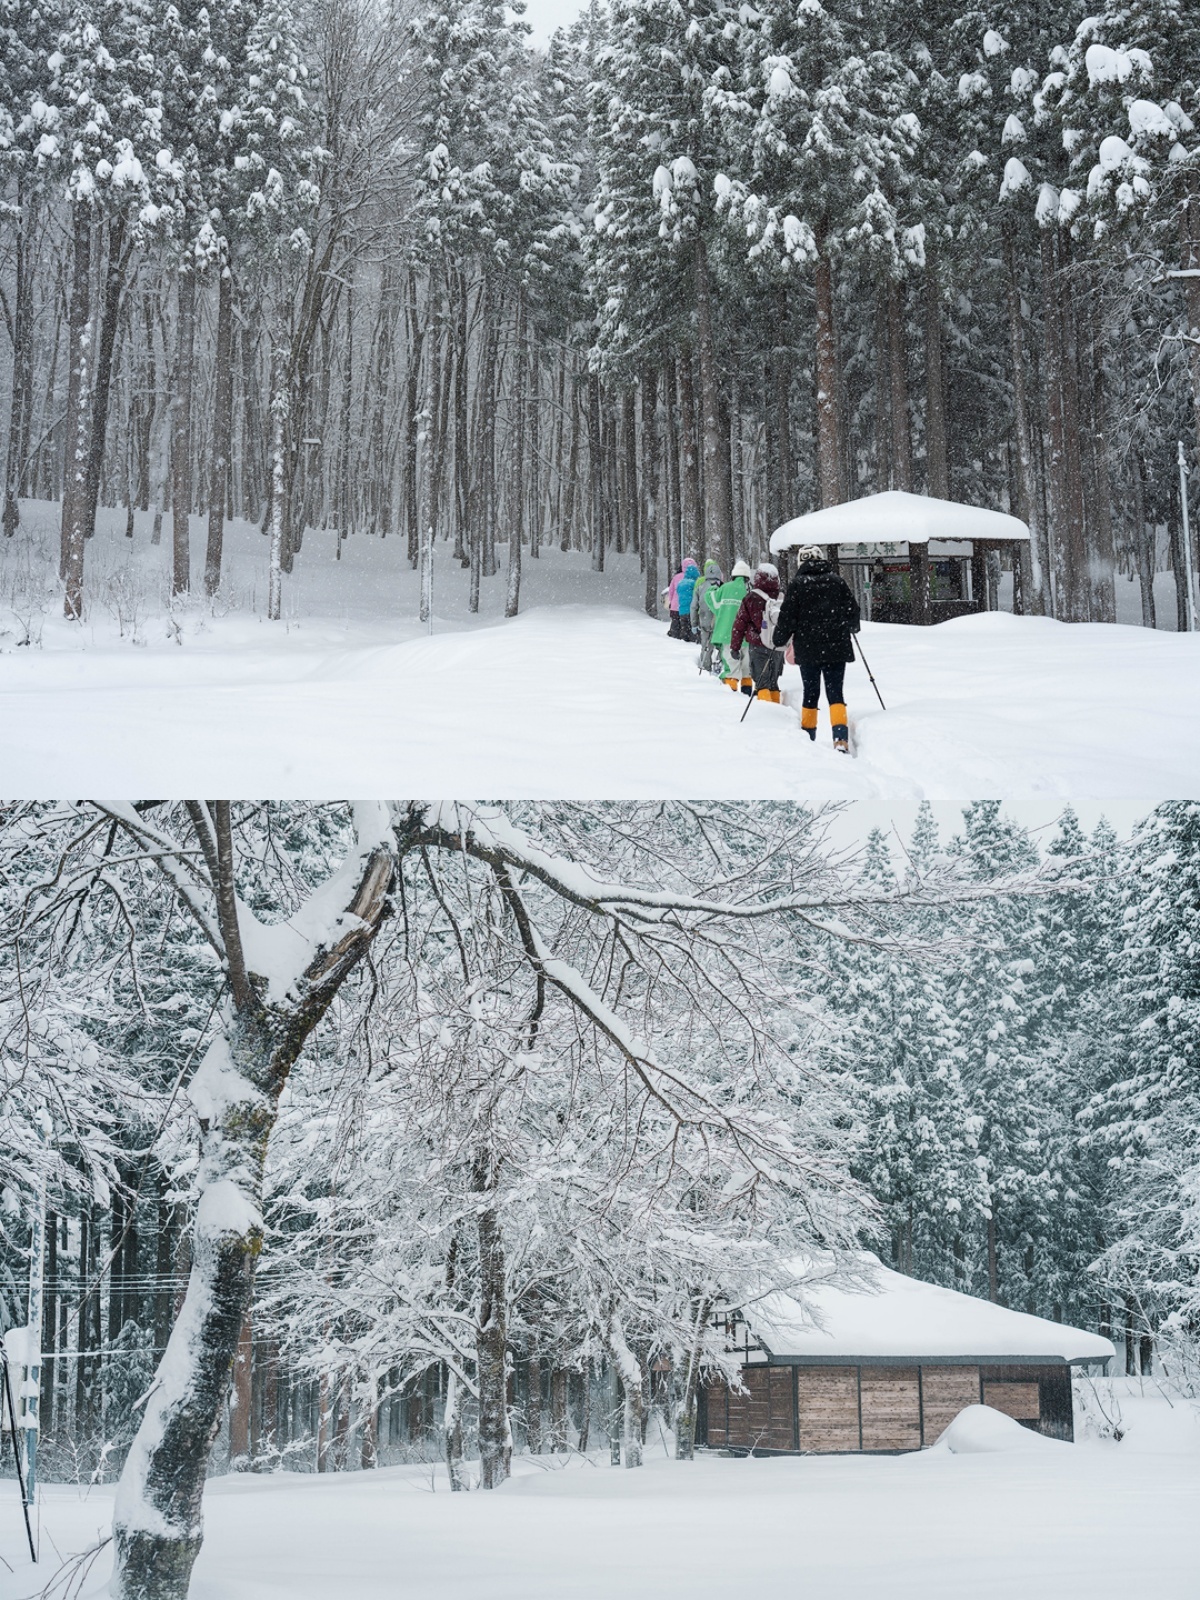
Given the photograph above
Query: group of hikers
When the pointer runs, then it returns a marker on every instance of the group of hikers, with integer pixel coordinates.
(746, 632)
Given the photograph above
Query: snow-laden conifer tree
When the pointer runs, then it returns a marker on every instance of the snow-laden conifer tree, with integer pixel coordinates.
(919, 1151)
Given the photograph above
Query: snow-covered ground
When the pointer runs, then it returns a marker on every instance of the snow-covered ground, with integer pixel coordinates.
(1054, 1522)
(582, 695)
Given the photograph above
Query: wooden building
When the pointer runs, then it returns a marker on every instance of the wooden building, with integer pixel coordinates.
(909, 557)
(886, 1366)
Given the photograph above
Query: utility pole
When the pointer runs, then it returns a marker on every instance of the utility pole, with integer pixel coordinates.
(1187, 540)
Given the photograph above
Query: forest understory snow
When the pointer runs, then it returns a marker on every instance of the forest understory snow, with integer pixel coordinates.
(1097, 1521)
(580, 696)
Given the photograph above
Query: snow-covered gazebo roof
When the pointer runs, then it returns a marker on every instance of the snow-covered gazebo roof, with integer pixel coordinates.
(889, 1317)
(897, 517)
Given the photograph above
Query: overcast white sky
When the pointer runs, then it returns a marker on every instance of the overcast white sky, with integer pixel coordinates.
(544, 16)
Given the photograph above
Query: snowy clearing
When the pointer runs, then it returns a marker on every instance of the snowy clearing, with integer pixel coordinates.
(1085, 1522)
(581, 695)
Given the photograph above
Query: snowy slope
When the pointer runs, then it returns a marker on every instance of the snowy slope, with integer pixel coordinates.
(581, 695)
(1089, 1522)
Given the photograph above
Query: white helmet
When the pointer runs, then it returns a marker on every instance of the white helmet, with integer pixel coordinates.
(741, 570)
(810, 552)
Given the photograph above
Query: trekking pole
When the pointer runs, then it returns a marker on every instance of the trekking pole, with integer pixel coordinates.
(752, 699)
(870, 674)
(12, 1433)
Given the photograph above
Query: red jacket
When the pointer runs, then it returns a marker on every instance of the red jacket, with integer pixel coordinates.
(748, 622)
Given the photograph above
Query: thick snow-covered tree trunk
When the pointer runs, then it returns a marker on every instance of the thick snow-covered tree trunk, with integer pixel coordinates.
(157, 1521)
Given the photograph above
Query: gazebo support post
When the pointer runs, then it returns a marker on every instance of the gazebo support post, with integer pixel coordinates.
(979, 574)
(918, 580)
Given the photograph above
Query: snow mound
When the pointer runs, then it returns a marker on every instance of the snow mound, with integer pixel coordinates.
(980, 1430)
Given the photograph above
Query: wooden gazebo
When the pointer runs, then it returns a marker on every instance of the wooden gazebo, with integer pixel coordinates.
(885, 1365)
(909, 557)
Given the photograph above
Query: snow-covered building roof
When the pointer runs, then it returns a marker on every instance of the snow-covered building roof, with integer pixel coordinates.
(897, 518)
(889, 1317)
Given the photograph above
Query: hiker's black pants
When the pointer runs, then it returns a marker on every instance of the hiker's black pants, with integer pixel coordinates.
(834, 673)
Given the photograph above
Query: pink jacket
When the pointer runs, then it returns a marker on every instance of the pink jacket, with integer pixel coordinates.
(673, 586)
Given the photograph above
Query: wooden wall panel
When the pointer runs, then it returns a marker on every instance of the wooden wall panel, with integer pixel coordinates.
(757, 1381)
(945, 1391)
(891, 1408)
(781, 1435)
(717, 1399)
(828, 1405)
(739, 1420)
(1019, 1400)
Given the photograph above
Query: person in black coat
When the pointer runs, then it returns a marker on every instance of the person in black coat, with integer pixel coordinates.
(819, 615)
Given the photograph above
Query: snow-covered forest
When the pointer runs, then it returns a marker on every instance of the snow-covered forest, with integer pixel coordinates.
(452, 1129)
(382, 268)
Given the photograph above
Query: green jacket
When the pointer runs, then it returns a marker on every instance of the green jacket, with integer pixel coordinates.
(724, 603)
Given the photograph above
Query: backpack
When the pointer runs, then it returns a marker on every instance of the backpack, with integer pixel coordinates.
(771, 610)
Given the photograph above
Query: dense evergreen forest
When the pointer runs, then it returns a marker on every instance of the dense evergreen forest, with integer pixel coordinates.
(603, 1070)
(692, 269)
